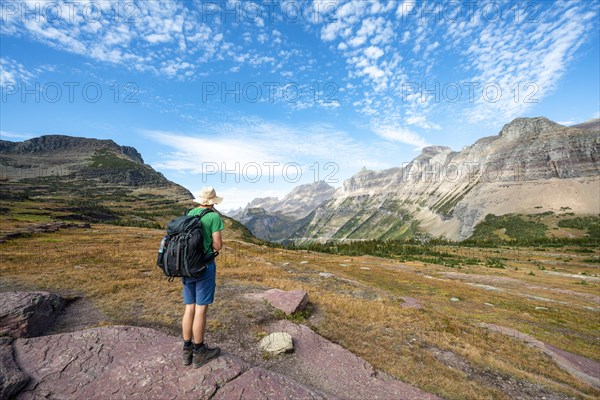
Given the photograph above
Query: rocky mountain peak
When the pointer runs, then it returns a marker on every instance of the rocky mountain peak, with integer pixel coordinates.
(527, 126)
(261, 202)
(52, 144)
(433, 150)
(309, 189)
(590, 125)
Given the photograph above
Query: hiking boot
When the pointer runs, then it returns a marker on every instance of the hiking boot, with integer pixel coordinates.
(204, 355)
(187, 356)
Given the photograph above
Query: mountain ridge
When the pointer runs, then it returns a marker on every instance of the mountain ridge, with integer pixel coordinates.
(95, 180)
(533, 165)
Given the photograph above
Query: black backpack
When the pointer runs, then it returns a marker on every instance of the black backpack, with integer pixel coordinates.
(181, 252)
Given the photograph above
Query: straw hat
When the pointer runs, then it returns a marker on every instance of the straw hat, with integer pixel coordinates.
(208, 197)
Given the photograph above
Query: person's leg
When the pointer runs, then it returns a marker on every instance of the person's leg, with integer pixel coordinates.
(199, 325)
(188, 322)
(205, 292)
(189, 299)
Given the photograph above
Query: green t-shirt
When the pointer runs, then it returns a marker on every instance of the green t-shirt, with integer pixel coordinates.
(211, 223)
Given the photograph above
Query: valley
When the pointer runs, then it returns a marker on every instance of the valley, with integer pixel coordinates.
(512, 312)
(418, 321)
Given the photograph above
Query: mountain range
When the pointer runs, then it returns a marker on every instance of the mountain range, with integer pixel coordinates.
(272, 219)
(86, 179)
(533, 167)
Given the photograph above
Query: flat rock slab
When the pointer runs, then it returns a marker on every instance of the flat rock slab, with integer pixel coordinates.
(24, 314)
(261, 384)
(126, 362)
(12, 379)
(581, 367)
(334, 370)
(287, 301)
(117, 362)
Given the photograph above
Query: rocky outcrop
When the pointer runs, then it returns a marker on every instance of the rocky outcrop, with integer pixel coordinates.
(117, 362)
(24, 314)
(259, 383)
(12, 379)
(581, 367)
(591, 125)
(142, 363)
(40, 228)
(334, 370)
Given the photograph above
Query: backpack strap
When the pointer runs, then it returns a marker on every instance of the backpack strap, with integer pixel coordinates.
(204, 212)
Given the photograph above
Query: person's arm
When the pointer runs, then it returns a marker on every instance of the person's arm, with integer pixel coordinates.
(217, 241)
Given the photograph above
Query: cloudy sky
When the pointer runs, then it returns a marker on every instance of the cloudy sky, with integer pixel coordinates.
(257, 97)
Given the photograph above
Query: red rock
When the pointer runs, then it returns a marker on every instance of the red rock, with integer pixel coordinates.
(12, 379)
(287, 301)
(411, 302)
(24, 314)
(330, 368)
(117, 362)
(586, 369)
(259, 383)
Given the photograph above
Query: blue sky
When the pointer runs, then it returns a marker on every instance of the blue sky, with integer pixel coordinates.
(257, 97)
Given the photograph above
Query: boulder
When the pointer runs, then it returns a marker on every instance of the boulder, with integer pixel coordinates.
(330, 368)
(24, 314)
(326, 275)
(287, 301)
(12, 379)
(277, 343)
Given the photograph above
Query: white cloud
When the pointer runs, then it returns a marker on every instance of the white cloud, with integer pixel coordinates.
(405, 8)
(567, 123)
(400, 134)
(239, 197)
(145, 36)
(526, 61)
(245, 144)
(373, 52)
(158, 38)
(421, 121)
(11, 71)
(16, 135)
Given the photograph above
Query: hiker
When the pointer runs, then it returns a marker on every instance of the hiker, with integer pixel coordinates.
(199, 292)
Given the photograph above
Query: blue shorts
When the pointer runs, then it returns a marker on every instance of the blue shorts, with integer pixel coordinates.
(201, 290)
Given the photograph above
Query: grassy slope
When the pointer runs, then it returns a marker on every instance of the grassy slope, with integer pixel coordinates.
(520, 228)
(114, 267)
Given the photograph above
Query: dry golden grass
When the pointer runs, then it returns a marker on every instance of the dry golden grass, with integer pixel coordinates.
(114, 267)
